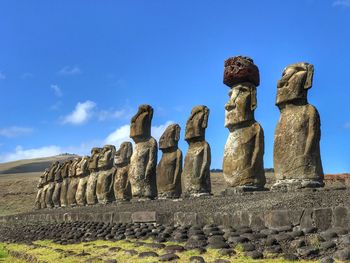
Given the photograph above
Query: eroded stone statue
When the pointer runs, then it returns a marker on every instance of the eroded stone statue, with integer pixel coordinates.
(196, 173)
(65, 182)
(58, 184)
(40, 185)
(91, 197)
(122, 187)
(73, 182)
(104, 184)
(144, 158)
(82, 173)
(169, 168)
(45, 187)
(243, 166)
(297, 160)
(51, 184)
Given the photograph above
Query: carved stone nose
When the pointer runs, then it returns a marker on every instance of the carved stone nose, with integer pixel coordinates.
(230, 106)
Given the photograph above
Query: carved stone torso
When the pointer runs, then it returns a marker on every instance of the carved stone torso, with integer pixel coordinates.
(196, 173)
(296, 148)
(143, 168)
(243, 157)
(169, 173)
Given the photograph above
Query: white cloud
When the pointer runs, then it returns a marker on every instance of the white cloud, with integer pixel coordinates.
(344, 3)
(104, 115)
(2, 75)
(121, 134)
(70, 70)
(19, 153)
(15, 131)
(57, 90)
(27, 75)
(82, 113)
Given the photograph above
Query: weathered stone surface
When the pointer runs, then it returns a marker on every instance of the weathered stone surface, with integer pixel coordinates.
(143, 162)
(297, 159)
(195, 177)
(169, 168)
(244, 149)
(57, 190)
(240, 69)
(91, 197)
(65, 183)
(104, 184)
(38, 199)
(82, 173)
(122, 187)
(144, 216)
(51, 184)
(73, 182)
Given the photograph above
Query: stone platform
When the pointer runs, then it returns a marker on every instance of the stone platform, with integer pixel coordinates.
(322, 208)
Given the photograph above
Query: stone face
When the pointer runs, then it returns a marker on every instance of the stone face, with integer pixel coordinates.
(196, 173)
(122, 187)
(297, 160)
(169, 168)
(91, 197)
(82, 173)
(51, 184)
(240, 69)
(73, 182)
(58, 184)
(38, 199)
(65, 183)
(104, 184)
(143, 162)
(243, 165)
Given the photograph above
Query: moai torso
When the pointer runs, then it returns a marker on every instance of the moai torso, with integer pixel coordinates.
(122, 188)
(297, 160)
(196, 172)
(169, 168)
(243, 166)
(144, 158)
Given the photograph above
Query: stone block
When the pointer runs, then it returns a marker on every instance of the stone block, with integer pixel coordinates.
(277, 218)
(185, 218)
(144, 217)
(322, 218)
(240, 218)
(306, 219)
(341, 217)
(256, 219)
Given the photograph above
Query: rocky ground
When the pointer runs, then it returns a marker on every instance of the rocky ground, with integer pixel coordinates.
(284, 242)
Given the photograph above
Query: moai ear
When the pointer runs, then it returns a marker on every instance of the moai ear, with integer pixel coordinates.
(253, 101)
(129, 150)
(309, 76)
(206, 116)
(177, 133)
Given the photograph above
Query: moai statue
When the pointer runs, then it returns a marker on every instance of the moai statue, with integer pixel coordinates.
(91, 197)
(73, 182)
(297, 160)
(58, 185)
(104, 184)
(40, 186)
(169, 168)
(243, 165)
(82, 173)
(122, 187)
(143, 162)
(65, 183)
(51, 184)
(45, 187)
(196, 173)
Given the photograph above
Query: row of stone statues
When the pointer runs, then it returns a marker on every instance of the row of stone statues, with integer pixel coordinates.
(124, 174)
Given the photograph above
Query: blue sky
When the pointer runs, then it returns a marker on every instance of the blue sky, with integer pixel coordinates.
(72, 73)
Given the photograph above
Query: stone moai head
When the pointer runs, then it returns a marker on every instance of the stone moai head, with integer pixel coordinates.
(292, 87)
(123, 155)
(170, 137)
(82, 166)
(242, 77)
(140, 127)
(107, 154)
(95, 151)
(197, 123)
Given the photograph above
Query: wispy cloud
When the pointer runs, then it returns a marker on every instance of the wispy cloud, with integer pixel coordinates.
(15, 131)
(69, 71)
(344, 3)
(2, 76)
(27, 75)
(104, 115)
(82, 113)
(57, 90)
(121, 134)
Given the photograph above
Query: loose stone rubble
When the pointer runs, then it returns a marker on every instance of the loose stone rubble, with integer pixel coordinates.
(243, 165)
